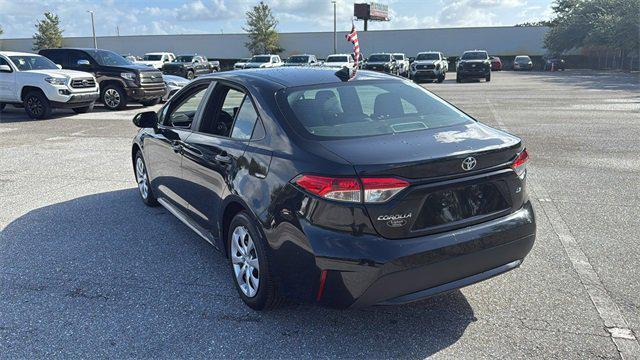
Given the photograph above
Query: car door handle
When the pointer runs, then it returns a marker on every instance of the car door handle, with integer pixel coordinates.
(223, 158)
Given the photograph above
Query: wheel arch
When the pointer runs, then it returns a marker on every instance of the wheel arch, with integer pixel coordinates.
(231, 206)
(105, 83)
(29, 88)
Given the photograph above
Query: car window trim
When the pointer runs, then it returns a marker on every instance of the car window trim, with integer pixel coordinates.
(198, 113)
(246, 92)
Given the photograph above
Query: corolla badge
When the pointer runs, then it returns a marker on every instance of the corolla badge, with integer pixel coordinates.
(469, 163)
(395, 220)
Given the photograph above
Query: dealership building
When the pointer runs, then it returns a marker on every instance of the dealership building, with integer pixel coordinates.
(500, 40)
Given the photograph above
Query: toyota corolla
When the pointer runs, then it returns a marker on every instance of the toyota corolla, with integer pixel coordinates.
(337, 191)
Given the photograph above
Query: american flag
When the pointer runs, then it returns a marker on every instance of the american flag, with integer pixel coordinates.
(352, 37)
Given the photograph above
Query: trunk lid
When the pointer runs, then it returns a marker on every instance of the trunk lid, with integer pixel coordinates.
(443, 195)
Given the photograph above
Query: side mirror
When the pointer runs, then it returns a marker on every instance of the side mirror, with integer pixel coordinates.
(5, 69)
(147, 119)
(83, 62)
(59, 66)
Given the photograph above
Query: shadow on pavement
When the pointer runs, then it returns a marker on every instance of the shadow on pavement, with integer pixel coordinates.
(12, 114)
(105, 275)
(589, 79)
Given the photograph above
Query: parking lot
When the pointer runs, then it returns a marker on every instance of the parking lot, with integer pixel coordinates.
(87, 270)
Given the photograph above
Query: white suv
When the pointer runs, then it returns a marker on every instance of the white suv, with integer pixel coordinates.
(264, 61)
(157, 59)
(33, 81)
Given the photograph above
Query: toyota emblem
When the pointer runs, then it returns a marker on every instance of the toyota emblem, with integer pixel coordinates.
(469, 163)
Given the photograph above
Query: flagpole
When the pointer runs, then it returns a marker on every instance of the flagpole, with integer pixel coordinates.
(335, 41)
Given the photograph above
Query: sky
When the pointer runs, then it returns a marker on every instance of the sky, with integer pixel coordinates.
(137, 17)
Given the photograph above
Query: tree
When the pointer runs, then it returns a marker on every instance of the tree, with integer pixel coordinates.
(605, 28)
(261, 26)
(48, 34)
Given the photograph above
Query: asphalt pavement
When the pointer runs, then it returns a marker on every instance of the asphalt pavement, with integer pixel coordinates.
(86, 270)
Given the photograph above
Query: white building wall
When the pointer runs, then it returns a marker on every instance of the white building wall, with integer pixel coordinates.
(451, 41)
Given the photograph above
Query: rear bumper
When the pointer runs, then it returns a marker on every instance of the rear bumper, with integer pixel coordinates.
(368, 270)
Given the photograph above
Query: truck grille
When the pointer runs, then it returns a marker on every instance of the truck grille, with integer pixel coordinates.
(83, 83)
(151, 77)
(426, 67)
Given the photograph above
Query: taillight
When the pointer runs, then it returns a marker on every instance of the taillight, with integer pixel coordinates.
(368, 190)
(520, 163)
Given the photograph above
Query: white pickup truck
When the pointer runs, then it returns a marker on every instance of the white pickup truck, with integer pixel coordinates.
(403, 64)
(157, 59)
(37, 84)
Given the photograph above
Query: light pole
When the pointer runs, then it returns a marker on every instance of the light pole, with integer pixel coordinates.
(334, 27)
(93, 27)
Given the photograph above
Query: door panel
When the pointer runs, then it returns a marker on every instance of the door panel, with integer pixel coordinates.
(8, 90)
(210, 164)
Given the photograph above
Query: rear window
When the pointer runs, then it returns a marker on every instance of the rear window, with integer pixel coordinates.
(337, 59)
(380, 57)
(366, 108)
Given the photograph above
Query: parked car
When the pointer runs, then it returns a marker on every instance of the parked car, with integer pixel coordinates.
(554, 63)
(473, 64)
(522, 62)
(429, 65)
(283, 172)
(240, 64)
(119, 79)
(173, 84)
(339, 61)
(131, 58)
(157, 59)
(188, 66)
(301, 60)
(403, 64)
(263, 61)
(496, 63)
(382, 62)
(37, 84)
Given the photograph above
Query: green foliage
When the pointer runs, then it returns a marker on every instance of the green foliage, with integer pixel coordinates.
(534, 23)
(48, 34)
(600, 24)
(261, 26)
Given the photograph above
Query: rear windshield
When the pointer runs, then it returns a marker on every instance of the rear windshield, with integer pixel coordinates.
(428, 56)
(474, 55)
(184, 58)
(337, 59)
(298, 59)
(260, 59)
(380, 57)
(366, 108)
(152, 57)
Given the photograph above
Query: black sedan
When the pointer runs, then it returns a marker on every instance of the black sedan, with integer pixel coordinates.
(339, 192)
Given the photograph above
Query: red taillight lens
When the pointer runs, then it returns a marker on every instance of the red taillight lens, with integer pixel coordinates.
(340, 189)
(369, 190)
(520, 163)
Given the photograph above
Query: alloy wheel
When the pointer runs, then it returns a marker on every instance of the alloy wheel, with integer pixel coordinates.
(141, 177)
(35, 106)
(244, 257)
(112, 98)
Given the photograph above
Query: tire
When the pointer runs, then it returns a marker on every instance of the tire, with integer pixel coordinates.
(37, 105)
(84, 109)
(113, 97)
(2, 106)
(487, 78)
(441, 77)
(190, 75)
(243, 235)
(150, 102)
(458, 79)
(142, 178)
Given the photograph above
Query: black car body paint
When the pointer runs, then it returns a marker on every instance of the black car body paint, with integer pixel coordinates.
(450, 227)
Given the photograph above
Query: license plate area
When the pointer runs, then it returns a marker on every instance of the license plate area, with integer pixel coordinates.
(455, 206)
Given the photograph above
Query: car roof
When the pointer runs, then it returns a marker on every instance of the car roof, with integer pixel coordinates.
(429, 52)
(16, 53)
(284, 77)
(157, 53)
(338, 55)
